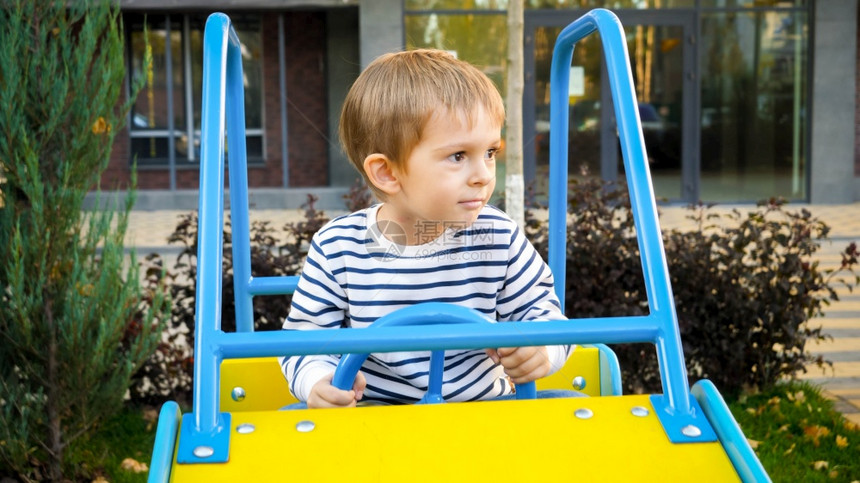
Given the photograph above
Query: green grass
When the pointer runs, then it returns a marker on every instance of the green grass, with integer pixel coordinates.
(129, 434)
(798, 436)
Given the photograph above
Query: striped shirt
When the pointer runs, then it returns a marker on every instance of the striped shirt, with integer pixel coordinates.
(353, 276)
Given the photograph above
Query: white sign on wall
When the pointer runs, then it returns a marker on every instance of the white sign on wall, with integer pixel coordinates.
(576, 84)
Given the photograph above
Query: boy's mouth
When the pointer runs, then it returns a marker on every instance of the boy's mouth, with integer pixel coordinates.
(472, 204)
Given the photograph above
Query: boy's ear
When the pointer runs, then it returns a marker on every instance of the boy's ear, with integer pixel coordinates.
(382, 173)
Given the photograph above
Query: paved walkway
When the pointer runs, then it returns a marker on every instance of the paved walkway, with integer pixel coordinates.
(149, 231)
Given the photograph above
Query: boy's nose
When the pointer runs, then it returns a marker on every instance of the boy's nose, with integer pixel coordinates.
(481, 174)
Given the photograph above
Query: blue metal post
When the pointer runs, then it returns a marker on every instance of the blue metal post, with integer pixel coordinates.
(205, 427)
(669, 352)
(237, 156)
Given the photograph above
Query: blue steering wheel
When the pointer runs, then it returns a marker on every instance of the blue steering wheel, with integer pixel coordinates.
(430, 313)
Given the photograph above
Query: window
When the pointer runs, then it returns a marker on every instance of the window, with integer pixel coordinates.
(164, 122)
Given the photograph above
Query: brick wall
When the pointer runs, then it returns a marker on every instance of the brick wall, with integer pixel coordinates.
(306, 94)
(271, 106)
(116, 175)
(306, 112)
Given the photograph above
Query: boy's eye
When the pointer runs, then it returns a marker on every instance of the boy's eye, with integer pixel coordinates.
(457, 157)
(491, 153)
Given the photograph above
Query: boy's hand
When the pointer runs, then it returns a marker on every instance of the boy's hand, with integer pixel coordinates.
(324, 395)
(522, 364)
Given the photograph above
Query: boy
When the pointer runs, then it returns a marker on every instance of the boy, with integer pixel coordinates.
(423, 129)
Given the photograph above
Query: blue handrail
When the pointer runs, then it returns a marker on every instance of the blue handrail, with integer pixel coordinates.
(205, 431)
(654, 267)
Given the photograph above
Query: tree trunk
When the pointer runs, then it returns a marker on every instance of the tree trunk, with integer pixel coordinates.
(514, 184)
(55, 430)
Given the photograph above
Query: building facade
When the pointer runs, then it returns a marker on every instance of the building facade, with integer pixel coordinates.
(739, 100)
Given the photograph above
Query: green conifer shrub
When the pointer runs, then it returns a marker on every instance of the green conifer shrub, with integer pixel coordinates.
(74, 322)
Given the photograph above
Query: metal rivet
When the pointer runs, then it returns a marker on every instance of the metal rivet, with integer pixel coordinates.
(203, 451)
(639, 411)
(245, 428)
(578, 383)
(305, 426)
(238, 394)
(691, 431)
(583, 413)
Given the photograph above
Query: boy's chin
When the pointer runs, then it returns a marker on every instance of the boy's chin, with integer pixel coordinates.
(470, 219)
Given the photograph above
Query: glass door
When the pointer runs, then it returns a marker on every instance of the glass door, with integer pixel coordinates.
(661, 52)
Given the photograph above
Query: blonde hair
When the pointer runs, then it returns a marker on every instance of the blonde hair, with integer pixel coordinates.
(390, 103)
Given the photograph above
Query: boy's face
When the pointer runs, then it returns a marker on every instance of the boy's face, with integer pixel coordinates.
(449, 177)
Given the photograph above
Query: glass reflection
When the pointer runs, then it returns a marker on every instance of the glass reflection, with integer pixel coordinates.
(613, 4)
(753, 116)
(752, 3)
(456, 34)
(584, 136)
(455, 4)
(656, 59)
(150, 108)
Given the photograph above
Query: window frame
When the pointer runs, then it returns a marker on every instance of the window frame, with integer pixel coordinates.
(175, 160)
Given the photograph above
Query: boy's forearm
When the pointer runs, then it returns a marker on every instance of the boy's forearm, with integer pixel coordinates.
(309, 372)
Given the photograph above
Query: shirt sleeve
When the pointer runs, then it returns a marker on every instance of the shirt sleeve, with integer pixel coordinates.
(318, 303)
(528, 293)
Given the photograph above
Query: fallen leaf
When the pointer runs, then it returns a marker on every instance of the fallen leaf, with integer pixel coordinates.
(841, 441)
(789, 450)
(150, 414)
(833, 475)
(131, 464)
(784, 427)
(820, 465)
(774, 401)
(753, 443)
(815, 432)
(100, 479)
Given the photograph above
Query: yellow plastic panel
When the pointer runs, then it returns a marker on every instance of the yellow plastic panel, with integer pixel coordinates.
(266, 389)
(585, 362)
(262, 381)
(535, 440)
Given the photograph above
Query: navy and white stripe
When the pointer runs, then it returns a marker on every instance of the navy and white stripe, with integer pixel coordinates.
(352, 277)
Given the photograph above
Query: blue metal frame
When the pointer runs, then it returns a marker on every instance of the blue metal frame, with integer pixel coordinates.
(731, 437)
(675, 406)
(223, 103)
(610, 371)
(420, 327)
(165, 443)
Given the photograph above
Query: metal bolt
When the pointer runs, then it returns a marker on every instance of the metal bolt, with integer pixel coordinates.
(583, 413)
(203, 451)
(245, 428)
(305, 426)
(238, 394)
(691, 431)
(578, 383)
(639, 411)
